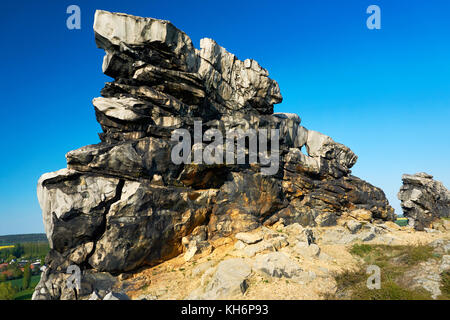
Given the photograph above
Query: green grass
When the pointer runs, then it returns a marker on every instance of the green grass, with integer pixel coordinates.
(445, 287)
(393, 262)
(17, 283)
(390, 290)
(412, 255)
(361, 249)
(24, 295)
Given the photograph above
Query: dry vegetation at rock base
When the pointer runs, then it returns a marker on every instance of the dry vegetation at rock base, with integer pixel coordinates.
(409, 268)
(394, 262)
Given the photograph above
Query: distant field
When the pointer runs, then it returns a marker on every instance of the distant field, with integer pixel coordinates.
(402, 221)
(6, 247)
(21, 238)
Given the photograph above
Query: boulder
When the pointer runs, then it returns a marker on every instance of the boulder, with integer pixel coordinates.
(441, 246)
(229, 280)
(277, 264)
(116, 296)
(95, 296)
(341, 235)
(307, 251)
(249, 237)
(252, 250)
(445, 263)
(423, 200)
(353, 225)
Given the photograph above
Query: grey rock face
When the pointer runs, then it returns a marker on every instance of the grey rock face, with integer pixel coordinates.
(277, 264)
(116, 296)
(95, 296)
(228, 280)
(445, 263)
(140, 224)
(423, 199)
(306, 250)
(354, 226)
(427, 275)
(441, 246)
(67, 195)
(341, 235)
(123, 203)
(249, 238)
(53, 283)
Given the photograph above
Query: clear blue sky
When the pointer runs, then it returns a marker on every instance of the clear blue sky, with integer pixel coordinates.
(384, 93)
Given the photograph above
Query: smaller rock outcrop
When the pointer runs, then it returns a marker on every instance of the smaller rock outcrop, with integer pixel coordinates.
(423, 200)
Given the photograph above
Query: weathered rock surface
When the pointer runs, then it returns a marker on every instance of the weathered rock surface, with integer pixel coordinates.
(277, 264)
(353, 226)
(249, 238)
(116, 296)
(423, 200)
(228, 280)
(441, 246)
(341, 235)
(123, 203)
(305, 250)
(426, 275)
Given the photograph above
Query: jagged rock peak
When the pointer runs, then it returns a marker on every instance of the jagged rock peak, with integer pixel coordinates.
(143, 49)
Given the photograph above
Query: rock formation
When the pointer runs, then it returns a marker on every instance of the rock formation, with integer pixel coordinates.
(423, 200)
(123, 203)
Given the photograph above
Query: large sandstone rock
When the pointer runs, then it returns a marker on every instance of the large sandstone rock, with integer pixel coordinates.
(423, 200)
(123, 204)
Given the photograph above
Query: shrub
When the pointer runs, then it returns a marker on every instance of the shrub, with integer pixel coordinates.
(7, 291)
(389, 291)
(393, 262)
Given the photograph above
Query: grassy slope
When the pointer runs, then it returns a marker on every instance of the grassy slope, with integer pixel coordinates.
(24, 294)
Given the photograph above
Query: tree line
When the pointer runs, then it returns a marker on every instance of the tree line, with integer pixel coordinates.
(25, 250)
